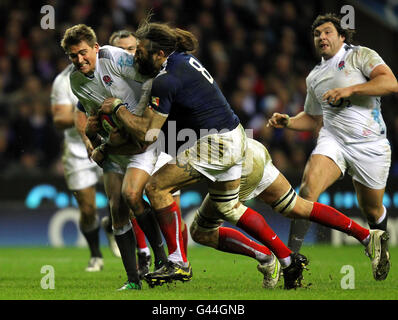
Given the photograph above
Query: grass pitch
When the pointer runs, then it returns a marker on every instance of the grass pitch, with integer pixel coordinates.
(217, 276)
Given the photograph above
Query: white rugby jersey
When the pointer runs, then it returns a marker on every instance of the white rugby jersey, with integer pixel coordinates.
(114, 76)
(74, 153)
(357, 118)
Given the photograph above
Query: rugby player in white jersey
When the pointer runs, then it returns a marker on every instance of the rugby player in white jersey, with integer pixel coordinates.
(126, 40)
(343, 99)
(81, 174)
(262, 180)
(99, 73)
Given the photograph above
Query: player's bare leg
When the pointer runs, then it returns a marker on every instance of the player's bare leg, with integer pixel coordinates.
(207, 231)
(255, 225)
(161, 186)
(122, 228)
(89, 226)
(320, 173)
(374, 241)
(132, 190)
(371, 203)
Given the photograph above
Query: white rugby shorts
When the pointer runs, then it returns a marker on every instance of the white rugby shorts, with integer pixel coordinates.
(257, 175)
(258, 171)
(218, 157)
(79, 171)
(120, 163)
(84, 178)
(367, 162)
(163, 159)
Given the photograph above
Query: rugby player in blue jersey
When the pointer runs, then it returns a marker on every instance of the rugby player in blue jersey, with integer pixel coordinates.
(185, 94)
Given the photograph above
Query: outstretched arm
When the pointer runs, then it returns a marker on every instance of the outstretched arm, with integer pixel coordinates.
(301, 122)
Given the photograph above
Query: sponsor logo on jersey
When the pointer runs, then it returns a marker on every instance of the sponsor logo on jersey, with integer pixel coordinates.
(107, 79)
(155, 101)
(341, 65)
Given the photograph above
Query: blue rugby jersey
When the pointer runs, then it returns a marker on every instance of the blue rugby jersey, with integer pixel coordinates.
(186, 93)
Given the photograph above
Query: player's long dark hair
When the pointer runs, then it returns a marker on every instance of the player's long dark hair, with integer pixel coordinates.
(166, 38)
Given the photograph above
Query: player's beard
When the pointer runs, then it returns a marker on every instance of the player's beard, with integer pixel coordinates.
(147, 67)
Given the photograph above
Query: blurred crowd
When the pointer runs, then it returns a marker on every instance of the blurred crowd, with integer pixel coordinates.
(258, 51)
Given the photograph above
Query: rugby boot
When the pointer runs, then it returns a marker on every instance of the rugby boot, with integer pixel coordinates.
(130, 286)
(271, 272)
(377, 251)
(169, 272)
(293, 274)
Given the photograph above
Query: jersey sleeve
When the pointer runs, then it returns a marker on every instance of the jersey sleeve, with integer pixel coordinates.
(60, 91)
(164, 90)
(121, 62)
(311, 104)
(125, 65)
(367, 60)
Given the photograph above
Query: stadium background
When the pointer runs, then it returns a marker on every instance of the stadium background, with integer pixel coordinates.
(259, 52)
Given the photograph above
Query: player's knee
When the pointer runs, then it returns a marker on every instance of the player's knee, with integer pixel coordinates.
(308, 192)
(195, 233)
(133, 198)
(151, 188)
(200, 236)
(304, 191)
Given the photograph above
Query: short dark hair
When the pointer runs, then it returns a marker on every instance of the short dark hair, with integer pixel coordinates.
(336, 20)
(121, 34)
(74, 35)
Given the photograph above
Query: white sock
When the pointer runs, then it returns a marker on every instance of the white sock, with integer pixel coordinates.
(365, 241)
(383, 216)
(122, 230)
(285, 262)
(146, 250)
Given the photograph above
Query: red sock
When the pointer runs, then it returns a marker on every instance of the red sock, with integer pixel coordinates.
(169, 219)
(332, 218)
(139, 234)
(233, 241)
(185, 240)
(256, 226)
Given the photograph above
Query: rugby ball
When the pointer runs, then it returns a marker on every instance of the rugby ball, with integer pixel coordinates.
(109, 123)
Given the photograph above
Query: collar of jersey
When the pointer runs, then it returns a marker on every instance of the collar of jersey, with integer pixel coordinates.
(164, 64)
(338, 55)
